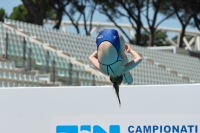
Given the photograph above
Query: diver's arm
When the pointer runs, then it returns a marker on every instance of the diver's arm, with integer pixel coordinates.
(93, 59)
(137, 60)
(136, 56)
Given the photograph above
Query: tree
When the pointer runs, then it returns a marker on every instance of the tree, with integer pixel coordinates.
(70, 11)
(196, 18)
(160, 38)
(188, 37)
(184, 13)
(129, 9)
(36, 9)
(133, 11)
(77, 10)
(74, 10)
(59, 9)
(2, 14)
(81, 6)
(20, 13)
(47, 12)
(195, 7)
(157, 5)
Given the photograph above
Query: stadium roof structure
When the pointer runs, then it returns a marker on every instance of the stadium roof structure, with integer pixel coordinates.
(158, 67)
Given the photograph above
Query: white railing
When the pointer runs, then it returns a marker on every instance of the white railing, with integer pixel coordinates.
(173, 48)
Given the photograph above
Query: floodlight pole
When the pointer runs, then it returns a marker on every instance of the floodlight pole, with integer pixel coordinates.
(24, 49)
(78, 81)
(93, 81)
(53, 71)
(70, 73)
(6, 46)
(29, 59)
(47, 61)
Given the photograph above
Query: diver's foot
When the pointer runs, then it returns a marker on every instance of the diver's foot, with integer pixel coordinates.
(127, 78)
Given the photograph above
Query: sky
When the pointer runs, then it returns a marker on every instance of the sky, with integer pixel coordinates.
(171, 23)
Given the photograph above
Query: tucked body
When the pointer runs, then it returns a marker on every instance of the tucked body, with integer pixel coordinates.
(110, 58)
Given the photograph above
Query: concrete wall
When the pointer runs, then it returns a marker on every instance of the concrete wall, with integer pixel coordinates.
(39, 110)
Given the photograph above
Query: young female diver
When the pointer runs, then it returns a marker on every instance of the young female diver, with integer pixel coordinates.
(110, 58)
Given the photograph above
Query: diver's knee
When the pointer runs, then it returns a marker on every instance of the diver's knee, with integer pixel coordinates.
(123, 55)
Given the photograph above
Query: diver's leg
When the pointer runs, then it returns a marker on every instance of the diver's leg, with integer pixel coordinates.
(127, 77)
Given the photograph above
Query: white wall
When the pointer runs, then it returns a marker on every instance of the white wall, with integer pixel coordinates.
(32, 110)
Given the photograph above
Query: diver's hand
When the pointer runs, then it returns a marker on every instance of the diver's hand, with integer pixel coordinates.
(127, 48)
(95, 54)
(93, 59)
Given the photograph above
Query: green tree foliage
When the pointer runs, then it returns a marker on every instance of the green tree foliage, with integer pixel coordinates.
(184, 13)
(2, 14)
(20, 13)
(133, 11)
(44, 9)
(157, 5)
(35, 11)
(129, 9)
(56, 9)
(160, 38)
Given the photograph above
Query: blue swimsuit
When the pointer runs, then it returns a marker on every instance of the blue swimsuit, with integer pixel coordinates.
(111, 36)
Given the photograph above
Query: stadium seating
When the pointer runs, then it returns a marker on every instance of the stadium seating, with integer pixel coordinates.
(184, 65)
(157, 67)
(15, 49)
(10, 76)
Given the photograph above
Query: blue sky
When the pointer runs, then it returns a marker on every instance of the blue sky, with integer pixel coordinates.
(171, 23)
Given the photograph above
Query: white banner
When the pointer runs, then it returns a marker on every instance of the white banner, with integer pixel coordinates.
(95, 109)
(126, 124)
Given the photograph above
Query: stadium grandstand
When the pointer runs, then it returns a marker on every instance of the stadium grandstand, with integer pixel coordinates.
(32, 55)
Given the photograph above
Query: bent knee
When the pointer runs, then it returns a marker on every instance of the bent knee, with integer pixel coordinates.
(123, 55)
(122, 43)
